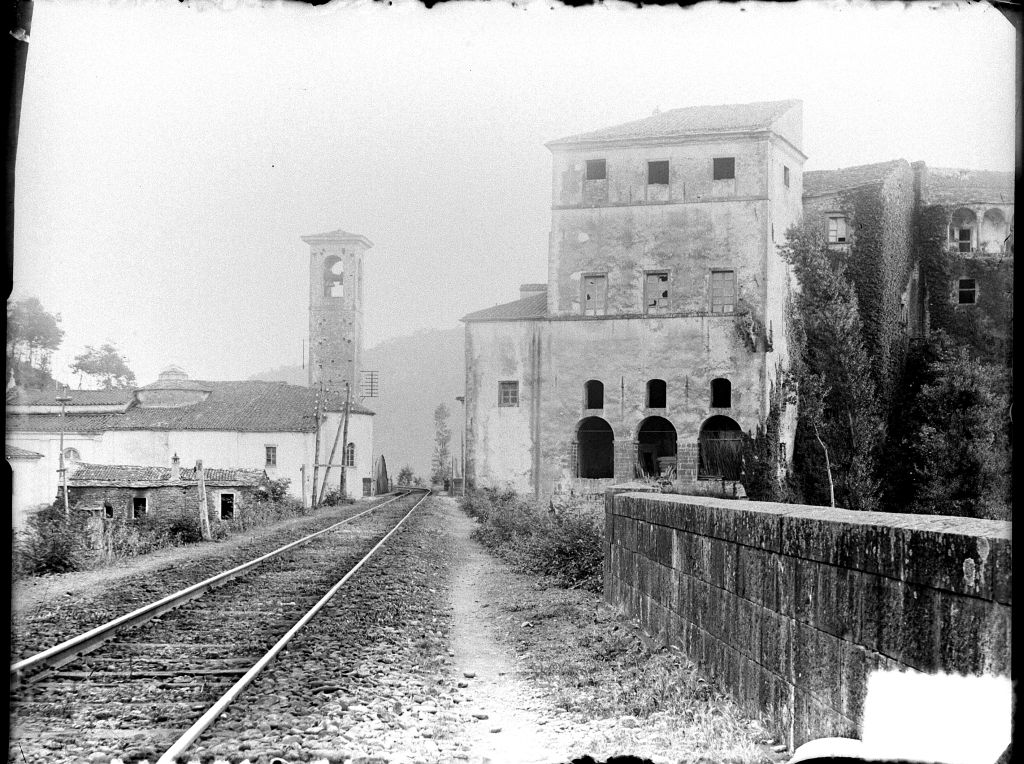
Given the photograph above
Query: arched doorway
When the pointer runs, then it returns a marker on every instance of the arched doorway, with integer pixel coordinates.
(720, 446)
(655, 446)
(595, 449)
(994, 230)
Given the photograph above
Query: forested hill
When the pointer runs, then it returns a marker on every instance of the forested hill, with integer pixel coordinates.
(417, 373)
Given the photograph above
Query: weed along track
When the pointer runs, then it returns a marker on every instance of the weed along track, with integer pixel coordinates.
(150, 675)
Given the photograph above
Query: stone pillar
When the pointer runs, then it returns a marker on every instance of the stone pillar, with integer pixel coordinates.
(625, 456)
(686, 462)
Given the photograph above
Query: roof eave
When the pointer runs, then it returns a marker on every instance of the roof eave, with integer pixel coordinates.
(656, 140)
(330, 236)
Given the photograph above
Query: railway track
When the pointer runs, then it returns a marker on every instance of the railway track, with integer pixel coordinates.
(159, 676)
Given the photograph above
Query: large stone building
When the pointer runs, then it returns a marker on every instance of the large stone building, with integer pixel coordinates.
(659, 337)
(290, 431)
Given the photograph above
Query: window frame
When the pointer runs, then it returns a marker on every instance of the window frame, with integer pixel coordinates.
(594, 163)
(649, 399)
(959, 291)
(723, 390)
(220, 504)
(835, 241)
(508, 386)
(587, 386)
(348, 455)
(711, 289)
(657, 309)
(134, 506)
(270, 459)
(659, 162)
(717, 168)
(583, 294)
(785, 176)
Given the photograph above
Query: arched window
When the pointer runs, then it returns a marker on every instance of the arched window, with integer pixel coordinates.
(963, 230)
(721, 393)
(994, 230)
(595, 449)
(334, 277)
(656, 394)
(349, 459)
(593, 394)
(72, 455)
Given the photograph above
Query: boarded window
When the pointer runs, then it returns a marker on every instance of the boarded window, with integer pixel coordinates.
(785, 176)
(593, 393)
(657, 173)
(723, 291)
(724, 168)
(508, 393)
(349, 457)
(227, 506)
(271, 456)
(967, 291)
(139, 507)
(837, 229)
(596, 169)
(656, 394)
(656, 292)
(721, 393)
(595, 295)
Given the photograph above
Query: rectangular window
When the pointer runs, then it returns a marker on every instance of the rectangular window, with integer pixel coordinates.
(963, 239)
(508, 393)
(596, 169)
(139, 506)
(785, 176)
(657, 173)
(595, 295)
(837, 231)
(271, 456)
(724, 168)
(227, 506)
(656, 292)
(348, 458)
(967, 291)
(723, 291)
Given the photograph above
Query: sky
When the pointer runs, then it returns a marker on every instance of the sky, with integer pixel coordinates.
(171, 155)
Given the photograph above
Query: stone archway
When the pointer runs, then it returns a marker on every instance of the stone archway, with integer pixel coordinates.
(720, 447)
(595, 448)
(656, 446)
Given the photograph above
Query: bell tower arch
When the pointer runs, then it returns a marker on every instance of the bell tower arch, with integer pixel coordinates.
(335, 308)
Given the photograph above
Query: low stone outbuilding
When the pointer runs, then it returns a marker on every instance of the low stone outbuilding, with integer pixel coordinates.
(130, 492)
(27, 469)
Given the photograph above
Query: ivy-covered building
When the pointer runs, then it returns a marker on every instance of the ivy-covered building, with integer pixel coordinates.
(658, 340)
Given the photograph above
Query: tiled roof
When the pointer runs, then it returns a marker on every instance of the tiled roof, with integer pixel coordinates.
(532, 307)
(817, 182)
(78, 397)
(127, 473)
(689, 120)
(250, 406)
(13, 452)
(945, 185)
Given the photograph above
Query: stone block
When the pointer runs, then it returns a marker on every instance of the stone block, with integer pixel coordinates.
(854, 681)
(813, 719)
(838, 602)
(750, 571)
(955, 562)
(919, 633)
(761, 530)
(884, 552)
(777, 646)
(747, 635)
(1002, 572)
(890, 618)
(663, 545)
(817, 664)
(973, 635)
(806, 590)
(785, 584)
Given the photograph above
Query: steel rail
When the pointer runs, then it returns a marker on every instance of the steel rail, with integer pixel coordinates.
(67, 651)
(203, 723)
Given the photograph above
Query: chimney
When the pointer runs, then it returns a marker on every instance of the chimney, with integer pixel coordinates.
(175, 468)
(529, 290)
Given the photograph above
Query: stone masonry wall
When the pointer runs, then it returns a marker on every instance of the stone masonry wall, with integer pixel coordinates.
(791, 607)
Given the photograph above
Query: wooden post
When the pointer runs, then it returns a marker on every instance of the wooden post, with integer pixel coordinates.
(204, 515)
(313, 503)
(344, 437)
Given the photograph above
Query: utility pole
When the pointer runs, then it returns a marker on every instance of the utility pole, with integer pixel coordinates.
(62, 469)
(334, 447)
(313, 501)
(344, 438)
(204, 512)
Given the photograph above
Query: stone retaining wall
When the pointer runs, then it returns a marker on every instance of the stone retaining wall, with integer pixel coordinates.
(790, 607)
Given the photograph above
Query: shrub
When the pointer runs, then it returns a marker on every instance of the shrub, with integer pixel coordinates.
(53, 542)
(566, 545)
(335, 497)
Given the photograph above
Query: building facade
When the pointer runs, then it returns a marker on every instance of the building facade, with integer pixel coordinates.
(659, 338)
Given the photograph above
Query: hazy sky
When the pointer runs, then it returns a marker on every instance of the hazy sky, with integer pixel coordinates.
(171, 155)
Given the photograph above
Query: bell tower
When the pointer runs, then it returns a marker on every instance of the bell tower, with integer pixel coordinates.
(335, 308)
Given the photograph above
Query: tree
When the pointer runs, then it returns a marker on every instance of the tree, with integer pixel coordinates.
(32, 336)
(441, 462)
(405, 475)
(840, 427)
(106, 365)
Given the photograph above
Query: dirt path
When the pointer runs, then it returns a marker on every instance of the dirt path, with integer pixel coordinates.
(512, 731)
